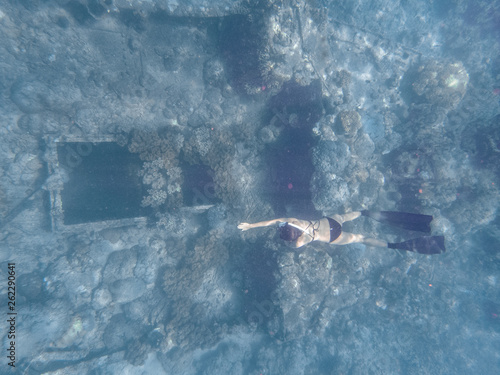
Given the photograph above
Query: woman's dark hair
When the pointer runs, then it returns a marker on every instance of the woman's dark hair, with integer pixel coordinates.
(289, 233)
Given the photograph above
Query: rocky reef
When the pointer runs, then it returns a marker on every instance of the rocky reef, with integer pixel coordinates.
(215, 113)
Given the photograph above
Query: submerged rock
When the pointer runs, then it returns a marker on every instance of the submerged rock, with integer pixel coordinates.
(440, 84)
(189, 8)
(127, 290)
(349, 123)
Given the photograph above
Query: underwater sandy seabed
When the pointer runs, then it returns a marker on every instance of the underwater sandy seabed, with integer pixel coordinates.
(136, 135)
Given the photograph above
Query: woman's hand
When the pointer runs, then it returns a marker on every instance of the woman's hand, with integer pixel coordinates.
(244, 226)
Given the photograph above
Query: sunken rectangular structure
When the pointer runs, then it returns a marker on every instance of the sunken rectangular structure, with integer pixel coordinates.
(97, 184)
(103, 182)
(93, 184)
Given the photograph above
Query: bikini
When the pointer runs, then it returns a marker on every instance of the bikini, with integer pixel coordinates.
(335, 229)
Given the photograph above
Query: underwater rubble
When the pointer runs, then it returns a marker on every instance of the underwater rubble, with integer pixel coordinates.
(137, 134)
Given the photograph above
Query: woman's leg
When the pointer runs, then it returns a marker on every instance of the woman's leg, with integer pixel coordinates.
(346, 217)
(347, 238)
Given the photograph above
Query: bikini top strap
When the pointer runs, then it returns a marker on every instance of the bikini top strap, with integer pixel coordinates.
(304, 230)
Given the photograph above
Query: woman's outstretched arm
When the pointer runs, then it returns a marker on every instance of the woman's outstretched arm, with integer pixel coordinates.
(247, 226)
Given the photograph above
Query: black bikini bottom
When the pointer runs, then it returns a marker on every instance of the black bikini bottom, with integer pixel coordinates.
(335, 229)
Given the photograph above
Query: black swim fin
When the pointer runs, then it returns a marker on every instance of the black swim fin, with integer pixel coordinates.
(403, 220)
(423, 245)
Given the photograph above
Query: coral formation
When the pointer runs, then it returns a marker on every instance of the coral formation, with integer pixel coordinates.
(153, 145)
(349, 123)
(160, 171)
(443, 85)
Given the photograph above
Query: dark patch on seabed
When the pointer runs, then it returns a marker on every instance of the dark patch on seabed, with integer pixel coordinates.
(405, 176)
(240, 43)
(198, 187)
(259, 307)
(481, 141)
(103, 182)
(290, 173)
(303, 101)
(79, 12)
(297, 108)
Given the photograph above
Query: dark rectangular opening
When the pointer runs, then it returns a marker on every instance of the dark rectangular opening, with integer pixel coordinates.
(198, 187)
(103, 182)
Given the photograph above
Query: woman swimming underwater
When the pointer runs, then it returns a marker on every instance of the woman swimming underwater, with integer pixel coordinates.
(329, 230)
